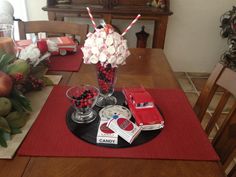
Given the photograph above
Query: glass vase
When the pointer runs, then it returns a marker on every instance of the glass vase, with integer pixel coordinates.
(106, 76)
(83, 99)
(6, 38)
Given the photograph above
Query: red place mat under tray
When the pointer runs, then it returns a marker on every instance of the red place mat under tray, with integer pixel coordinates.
(182, 137)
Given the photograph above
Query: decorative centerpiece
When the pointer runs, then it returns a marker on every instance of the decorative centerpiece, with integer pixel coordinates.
(107, 49)
(83, 99)
(18, 75)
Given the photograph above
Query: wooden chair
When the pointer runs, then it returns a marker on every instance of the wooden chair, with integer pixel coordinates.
(229, 165)
(59, 28)
(224, 141)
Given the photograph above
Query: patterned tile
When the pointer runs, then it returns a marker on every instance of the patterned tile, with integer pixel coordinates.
(180, 74)
(192, 97)
(198, 75)
(199, 83)
(185, 84)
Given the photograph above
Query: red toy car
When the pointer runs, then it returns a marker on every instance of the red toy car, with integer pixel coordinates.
(65, 45)
(143, 108)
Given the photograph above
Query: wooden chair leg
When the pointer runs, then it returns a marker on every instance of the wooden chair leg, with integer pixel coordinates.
(232, 173)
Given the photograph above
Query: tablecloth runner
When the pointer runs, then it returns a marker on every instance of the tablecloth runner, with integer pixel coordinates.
(182, 137)
(70, 62)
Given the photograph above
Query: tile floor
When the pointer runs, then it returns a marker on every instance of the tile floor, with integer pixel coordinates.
(192, 84)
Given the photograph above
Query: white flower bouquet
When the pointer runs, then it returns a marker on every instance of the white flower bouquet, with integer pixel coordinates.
(38, 51)
(105, 46)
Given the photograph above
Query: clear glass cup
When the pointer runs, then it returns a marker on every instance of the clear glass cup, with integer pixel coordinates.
(6, 38)
(83, 98)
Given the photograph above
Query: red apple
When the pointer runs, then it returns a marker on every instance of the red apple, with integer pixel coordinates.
(5, 84)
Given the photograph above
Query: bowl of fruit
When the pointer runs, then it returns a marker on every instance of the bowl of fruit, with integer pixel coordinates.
(83, 98)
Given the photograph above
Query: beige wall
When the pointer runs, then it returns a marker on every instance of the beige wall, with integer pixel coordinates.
(35, 11)
(193, 42)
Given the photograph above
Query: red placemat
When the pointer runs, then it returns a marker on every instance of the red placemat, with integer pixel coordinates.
(181, 138)
(70, 62)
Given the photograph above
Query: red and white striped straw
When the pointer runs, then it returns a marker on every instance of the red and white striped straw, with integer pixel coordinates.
(131, 24)
(91, 18)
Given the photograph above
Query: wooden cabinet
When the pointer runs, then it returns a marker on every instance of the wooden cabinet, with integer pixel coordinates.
(114, 9)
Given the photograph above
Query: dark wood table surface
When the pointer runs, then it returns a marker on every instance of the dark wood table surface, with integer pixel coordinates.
(147, 67)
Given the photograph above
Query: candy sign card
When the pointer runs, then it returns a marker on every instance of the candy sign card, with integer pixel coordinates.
(106, 135)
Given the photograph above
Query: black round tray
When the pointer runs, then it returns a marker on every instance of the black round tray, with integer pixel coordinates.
(88, 132)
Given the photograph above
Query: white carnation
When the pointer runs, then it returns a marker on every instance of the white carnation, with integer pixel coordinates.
(89, 42)
(99, 42)
(32, 53)
(103, 34)
(106, 47)
(94, 59)
(95, 51)
(109, 40)
(112, 59)
(111, 50)
(103, 57)
(120, 60)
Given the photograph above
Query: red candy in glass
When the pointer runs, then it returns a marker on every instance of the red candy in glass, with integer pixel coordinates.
(106, 78)
(83, 98)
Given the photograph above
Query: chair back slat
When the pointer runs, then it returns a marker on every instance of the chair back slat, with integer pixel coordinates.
(207, 92)
(232, 173)
(229, 163)
(225, 140)
(223, 132)
(217, 112)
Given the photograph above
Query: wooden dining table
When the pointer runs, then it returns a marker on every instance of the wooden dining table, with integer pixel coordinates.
(146, 67)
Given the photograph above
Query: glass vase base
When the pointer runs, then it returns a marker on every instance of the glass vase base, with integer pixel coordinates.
(105, 101)
(84, 118)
